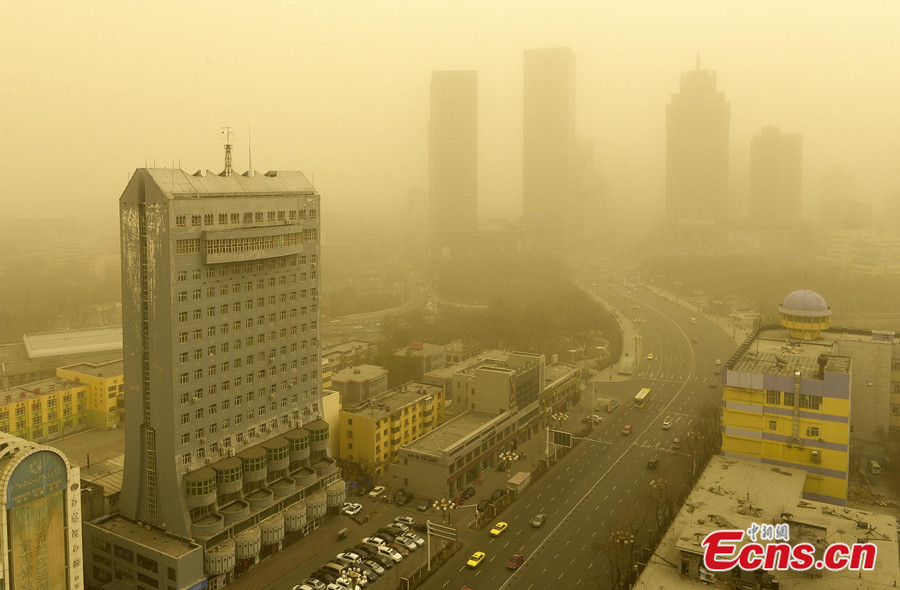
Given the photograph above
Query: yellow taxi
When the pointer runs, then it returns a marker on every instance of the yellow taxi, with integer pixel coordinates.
(476, 559)
(498, 528)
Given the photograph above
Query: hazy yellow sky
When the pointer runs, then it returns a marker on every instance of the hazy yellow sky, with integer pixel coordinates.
(89, 91)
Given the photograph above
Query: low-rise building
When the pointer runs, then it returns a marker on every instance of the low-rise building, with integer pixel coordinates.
(81, 396)
(424, 357)
(457, 351)
(347, 354)
(360, 383)
(372, 432)
(736, 494)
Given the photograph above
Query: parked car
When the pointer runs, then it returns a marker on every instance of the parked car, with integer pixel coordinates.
(538, 521)
(383, 561)
(373, 542)
(351, 508)
(424, 505)
(515, 561)
(317, 584)
(403, 500)
(415, 538)
(482, 505)
(497, 494)
(468, 493)
(349, 558)
(361, 550)
(376, 491)
(406, 542)
(363, 490)
(405, 520)
(390, 552)
(374, 566)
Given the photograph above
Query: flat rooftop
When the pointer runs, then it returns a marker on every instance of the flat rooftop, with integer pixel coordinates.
(36, 389)
(734, 494)
(448, 372)
(358, 374)
(47, 344)
(153, 538)
(106, 473)
(557, 371)
(423, 349)
(345, 347)
(390, 401)
(450, 433)
(774, 352)
(110, 369)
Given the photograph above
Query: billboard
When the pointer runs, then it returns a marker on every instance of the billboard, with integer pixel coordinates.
(36, 514)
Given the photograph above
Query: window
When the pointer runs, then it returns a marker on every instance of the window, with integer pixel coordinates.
(185, 397)
(185, 438)
(773, 398)
(773, 425)
(184, 378)
(812, 431)
(810, 402)
(181, 221)
(198, 414)
(183, 357)
(185, 418)
(198, 354)
(182, 295)
(198, 314)
(789, 398)
(182, 277)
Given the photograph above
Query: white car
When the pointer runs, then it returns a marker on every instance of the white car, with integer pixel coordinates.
(407, 520)
(414, 538)
(399, 526)
(348, 556)
(405, 541)
(389, 553)
(373, 542)
(351, 508)
(376, 491)
(718, 361)
(667, 423)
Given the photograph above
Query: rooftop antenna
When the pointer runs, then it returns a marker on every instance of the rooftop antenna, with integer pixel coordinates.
(227, 136)
(249, 153)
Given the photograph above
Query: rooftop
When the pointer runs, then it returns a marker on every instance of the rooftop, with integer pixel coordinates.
(47, 344)
(448, 372)
(389, 402)
(733, 494)
(345, 347)
(179, 183)
(106, 473)
(146, 535)
(423, 349)
(450, 433)
(558, 371)
(358, 374)
(110, 369)
(775, 352)
(36, 389)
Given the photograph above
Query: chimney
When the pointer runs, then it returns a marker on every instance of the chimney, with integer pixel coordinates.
(822, 360)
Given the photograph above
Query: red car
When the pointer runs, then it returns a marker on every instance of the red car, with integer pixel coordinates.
(627, 430)
(515, 561)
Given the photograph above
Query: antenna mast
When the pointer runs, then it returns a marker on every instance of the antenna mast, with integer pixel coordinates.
(249, 153)
(228, 136)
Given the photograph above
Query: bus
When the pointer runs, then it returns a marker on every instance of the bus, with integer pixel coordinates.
(641, 398)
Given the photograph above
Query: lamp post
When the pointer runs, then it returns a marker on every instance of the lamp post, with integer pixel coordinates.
(637, 340)
(699, 294)
(509, 457)
(444, 506)
(352, 573)
(678, 285)
(717, 302)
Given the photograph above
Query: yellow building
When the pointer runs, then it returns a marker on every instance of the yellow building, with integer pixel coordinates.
(786, 399)
(373, 431)
(326, 374)
(81, 396)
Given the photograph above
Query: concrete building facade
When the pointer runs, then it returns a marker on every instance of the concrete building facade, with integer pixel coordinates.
(360, 383)
(225, 442)
(776, 173)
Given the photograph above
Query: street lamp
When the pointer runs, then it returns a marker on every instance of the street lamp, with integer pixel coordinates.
(352, 573)
(509, 457)
(444, 506)
(717, 302)
(699, 294)
(637, 339)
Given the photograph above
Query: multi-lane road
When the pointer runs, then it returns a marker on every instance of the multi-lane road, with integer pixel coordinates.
(604, 484)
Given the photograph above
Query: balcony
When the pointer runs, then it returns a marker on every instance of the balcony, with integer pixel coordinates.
(209, 525)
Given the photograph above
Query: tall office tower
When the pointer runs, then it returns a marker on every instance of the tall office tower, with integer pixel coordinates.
(697, 123)
(221, 352)
(550, 203)
(776, 162)
(453, 153)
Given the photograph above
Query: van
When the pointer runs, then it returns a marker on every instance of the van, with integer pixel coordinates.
(334, 568)
(874, 467)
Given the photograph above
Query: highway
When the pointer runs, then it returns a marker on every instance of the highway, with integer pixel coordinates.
(604, 484)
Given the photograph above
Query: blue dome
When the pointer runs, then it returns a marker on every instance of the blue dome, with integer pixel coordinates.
(805, 303)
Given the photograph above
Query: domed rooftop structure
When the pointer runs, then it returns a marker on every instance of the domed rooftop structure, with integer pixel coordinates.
(805, 303)
(805, 313)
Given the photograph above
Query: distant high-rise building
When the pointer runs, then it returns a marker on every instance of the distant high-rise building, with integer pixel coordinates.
(453, 153)
(226, 448)
(550, 202)
(697, 126)
(776, 161)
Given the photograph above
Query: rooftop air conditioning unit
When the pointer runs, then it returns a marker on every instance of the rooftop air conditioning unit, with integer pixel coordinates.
(203, 439)
(194, 399)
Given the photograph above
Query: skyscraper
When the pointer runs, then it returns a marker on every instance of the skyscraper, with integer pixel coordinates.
(697, 125)
(550, 204)
(221, 353)
(453, 153)
(776, 161)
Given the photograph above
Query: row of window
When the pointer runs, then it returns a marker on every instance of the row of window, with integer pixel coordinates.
(808, 402)
(247, 217)
(21, 425)
(811, 431)
(246, 267)
(217, 246)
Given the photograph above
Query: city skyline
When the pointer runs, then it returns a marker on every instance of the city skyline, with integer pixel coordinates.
(629, 60)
